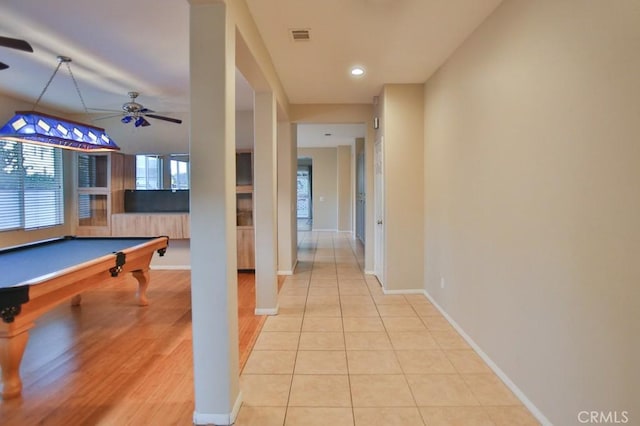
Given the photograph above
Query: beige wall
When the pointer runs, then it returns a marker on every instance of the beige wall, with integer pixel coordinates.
(251, 56)
(287, 198)
(403, 130)
(332, 113)
(324, 189)
(244, 130)
(345, 188)
(532, 163)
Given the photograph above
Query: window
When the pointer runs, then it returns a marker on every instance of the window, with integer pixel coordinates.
(31, 186)
(180, 174)
(93, 185)
(148, 172)
(304, 192)
(92, 171)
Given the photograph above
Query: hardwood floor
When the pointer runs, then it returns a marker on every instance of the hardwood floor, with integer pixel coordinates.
(249, 325)
(110, 362)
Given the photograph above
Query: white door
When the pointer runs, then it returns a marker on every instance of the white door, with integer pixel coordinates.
(378, 184)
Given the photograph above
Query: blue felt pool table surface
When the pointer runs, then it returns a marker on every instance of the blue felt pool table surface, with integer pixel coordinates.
(27, 264)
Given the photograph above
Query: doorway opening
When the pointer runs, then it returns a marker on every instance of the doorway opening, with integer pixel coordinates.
(304, 203)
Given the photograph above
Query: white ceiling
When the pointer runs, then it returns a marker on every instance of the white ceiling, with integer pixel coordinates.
(122, 45)
(396, 41)
(328, 135)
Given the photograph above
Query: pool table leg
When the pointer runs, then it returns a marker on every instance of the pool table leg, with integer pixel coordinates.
(11, 351)
(143, 282)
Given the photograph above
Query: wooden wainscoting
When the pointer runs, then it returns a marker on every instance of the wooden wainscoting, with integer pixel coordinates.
(173, 225)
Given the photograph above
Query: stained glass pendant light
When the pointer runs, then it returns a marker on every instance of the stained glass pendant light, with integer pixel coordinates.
(38, 128)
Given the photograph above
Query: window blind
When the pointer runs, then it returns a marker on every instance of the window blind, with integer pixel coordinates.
(31, 186)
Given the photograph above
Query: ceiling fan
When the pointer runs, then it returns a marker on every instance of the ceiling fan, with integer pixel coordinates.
(136, 113)
(13, 43)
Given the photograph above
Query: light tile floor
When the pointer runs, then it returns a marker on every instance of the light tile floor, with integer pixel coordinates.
(340, 352)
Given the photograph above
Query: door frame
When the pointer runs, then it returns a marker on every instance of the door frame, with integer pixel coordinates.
(379, 228)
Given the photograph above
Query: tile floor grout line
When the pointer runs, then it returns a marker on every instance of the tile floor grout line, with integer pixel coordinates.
(286, 410)
(344, 340)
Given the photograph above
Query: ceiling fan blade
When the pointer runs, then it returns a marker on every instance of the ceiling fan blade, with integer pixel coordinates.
(107, 116)
(160, 117)
(107, 110)
(146, 110)
(3, 66)
(15, 43)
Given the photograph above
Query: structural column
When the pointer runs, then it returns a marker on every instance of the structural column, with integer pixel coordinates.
(265, 218)
(212, 209)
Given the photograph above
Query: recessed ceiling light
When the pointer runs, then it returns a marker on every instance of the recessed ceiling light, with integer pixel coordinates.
(357, 71)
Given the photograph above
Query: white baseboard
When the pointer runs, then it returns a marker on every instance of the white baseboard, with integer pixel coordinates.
(267, 311)
(219, 419)
(369, 272)
(287, 271)
(171, 267)
(406, 291)
(501, 374)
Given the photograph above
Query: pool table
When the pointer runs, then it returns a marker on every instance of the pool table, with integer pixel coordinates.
(38, 276)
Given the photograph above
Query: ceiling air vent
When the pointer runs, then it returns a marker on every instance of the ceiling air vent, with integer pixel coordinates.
(300, 34)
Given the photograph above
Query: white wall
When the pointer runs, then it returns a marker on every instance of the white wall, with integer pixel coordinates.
(532, 163)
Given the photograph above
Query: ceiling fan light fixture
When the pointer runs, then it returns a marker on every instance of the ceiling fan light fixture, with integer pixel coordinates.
(133, 111)
(140, 121)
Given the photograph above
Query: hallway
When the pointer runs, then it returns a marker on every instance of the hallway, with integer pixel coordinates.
(342, 353)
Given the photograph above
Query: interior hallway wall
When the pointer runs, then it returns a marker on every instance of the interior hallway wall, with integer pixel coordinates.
(287, 198)
(244, 130)
(345, 188)
(532, 170)
(324, 186)
(402, 130)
